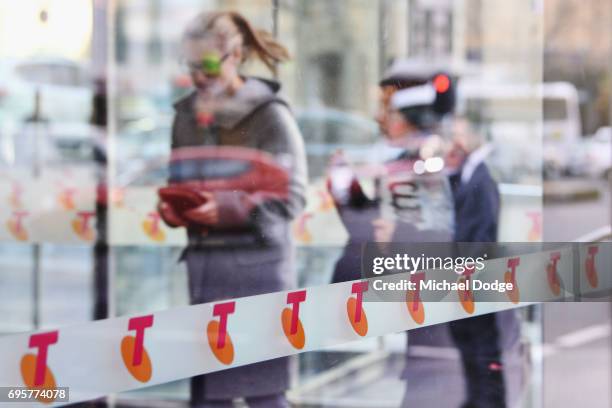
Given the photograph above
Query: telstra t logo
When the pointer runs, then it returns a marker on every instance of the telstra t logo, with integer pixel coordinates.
(81, 225)
(16, 227)
(15, 196)
(151, 226)
(290, 319)
(413, 299)
(35, 373)
(219, 339)
(466, 297)
(589, 267)
(66, 198)
(354, 308)
(551, 273)
(133, 352)
(510, 277)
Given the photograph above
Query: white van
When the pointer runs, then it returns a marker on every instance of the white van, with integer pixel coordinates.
(533, 127)
(562, 125)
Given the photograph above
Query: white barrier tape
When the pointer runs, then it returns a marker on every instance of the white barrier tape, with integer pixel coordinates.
(115, 355)
(56, 207)
(60, 208)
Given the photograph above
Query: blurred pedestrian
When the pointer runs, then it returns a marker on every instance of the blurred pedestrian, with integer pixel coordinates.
(255, 254)
(412, 202)
(476, 221)
(475, 192)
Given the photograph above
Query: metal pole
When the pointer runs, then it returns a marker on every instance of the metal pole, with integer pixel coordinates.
(275, 24)
(411, 33)
(36, 285)
(610, 116)
(610, 172)
(36, 122)
(275, 27)
(101, 288)
(111, 91)
(383, 7)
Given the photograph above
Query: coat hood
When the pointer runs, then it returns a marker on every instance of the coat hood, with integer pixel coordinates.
(255, 93)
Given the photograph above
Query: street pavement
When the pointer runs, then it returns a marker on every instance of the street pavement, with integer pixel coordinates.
(569, 220)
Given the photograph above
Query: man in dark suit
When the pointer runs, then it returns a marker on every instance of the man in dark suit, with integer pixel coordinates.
(476, 221)
(474, 190)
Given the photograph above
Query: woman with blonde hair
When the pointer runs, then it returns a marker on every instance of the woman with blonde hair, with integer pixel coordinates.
(246, 247)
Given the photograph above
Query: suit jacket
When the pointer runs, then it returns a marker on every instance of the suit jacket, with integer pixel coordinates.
(476, 206)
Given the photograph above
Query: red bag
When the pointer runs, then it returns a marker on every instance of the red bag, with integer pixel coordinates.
(216, 169)
(181, 199)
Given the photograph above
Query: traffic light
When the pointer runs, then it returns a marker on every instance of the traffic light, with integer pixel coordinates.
(445, 94)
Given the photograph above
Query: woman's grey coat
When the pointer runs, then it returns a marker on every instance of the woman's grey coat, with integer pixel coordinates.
(220, 265)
